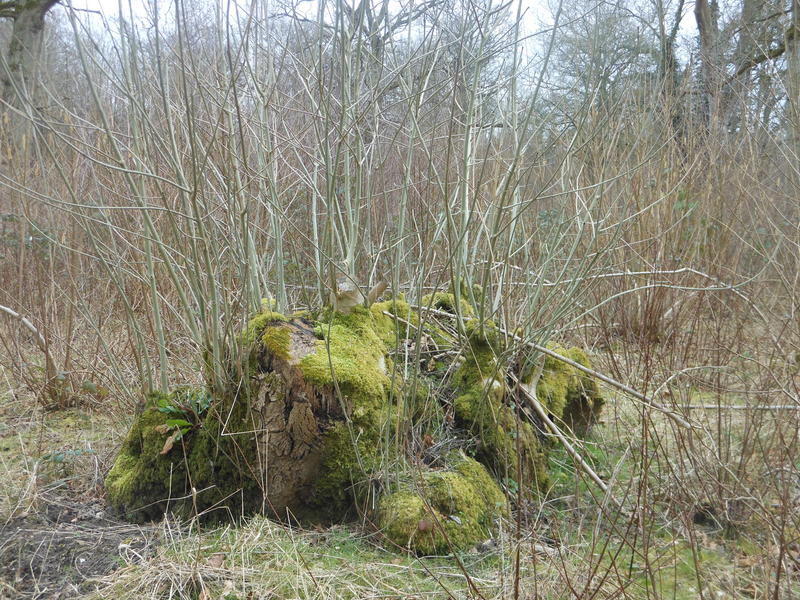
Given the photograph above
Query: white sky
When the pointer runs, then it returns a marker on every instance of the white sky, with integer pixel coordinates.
(536, 11)
(537, 15)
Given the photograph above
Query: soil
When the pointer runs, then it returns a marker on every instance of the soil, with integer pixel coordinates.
(65, 548)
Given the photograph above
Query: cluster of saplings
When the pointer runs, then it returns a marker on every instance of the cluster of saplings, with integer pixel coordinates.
(416, 427)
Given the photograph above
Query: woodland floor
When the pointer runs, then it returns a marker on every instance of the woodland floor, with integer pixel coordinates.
(58, 539)
(57, 535)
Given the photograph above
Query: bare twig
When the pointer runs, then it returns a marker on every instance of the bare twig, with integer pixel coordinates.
(604, 378)
(50, 368)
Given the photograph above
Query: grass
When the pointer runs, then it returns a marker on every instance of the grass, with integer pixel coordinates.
(41, 452)
(263, 558)
(566, 545)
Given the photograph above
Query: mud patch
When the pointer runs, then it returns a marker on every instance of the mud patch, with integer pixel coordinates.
(63, 549)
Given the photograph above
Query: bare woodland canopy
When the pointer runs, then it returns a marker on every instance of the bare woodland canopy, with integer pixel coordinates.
(729, 64)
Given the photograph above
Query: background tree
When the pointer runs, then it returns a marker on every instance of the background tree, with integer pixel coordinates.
(706, 14)
(20, 64)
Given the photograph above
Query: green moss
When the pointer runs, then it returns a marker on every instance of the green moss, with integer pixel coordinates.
(400, 515)
(568, 394)
(351, 359)
(276, 340)
(427, 413)
(484, 335)
(268, 328)
(204, 469)
(142, 479)
(404, 325)
(446, 301)
(554, 383)
(477, 293)
(255, 328)
(506, 444)
(208, 470)
(224, 466)
(351, 356)
(584, 400)
(390, 329)
(447, 511)
(352, 454)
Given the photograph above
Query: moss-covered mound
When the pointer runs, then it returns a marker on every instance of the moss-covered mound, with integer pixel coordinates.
(319, 411)
(394, 321)
(569, 394)
(202, 473)
(509, 446)
(144, 477)
(300, 435)
(443, 511)
(176, 459)
(446, 301)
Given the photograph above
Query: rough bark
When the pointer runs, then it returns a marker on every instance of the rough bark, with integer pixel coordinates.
(19, 67)
(792, 43)
(291, 416)
(706, 15)
(754, 37)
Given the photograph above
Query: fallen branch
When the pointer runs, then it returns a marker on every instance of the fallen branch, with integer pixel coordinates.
(534, 403)
(50, 369)
(604, 378)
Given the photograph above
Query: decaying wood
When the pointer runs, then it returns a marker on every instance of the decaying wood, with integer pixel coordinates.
(291, 416)
(604, 378)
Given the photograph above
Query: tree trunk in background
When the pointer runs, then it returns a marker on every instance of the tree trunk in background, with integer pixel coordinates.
(707, 16)
(793, 83)
(754, 37)
(668, 69)
(19, 67)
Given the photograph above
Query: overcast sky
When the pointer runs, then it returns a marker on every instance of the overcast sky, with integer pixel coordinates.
(537, 15)
(536, 12)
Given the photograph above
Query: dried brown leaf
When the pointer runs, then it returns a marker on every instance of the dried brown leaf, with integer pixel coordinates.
(170, 442)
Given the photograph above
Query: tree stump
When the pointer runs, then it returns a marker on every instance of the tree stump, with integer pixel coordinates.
(266, 446)
(319, 426)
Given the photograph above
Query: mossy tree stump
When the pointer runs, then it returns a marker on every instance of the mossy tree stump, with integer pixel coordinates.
(281, 443)
(311, 428)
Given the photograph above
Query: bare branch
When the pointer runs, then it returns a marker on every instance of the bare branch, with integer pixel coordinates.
(766, 55)
(50, 368)
(604, 378)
